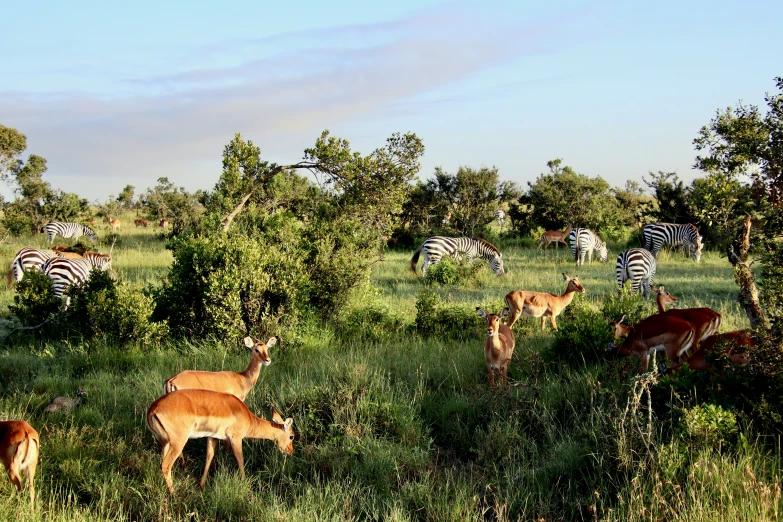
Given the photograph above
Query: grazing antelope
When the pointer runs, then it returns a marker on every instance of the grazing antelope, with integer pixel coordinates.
(235, 383)
(19, 448)
(672, 335)
(498, 346)
(542, 304)
(698, 361)
(182, 415)
(164, 223)
(114, 224)
(554, 236)
(141, 223)
(706, 320)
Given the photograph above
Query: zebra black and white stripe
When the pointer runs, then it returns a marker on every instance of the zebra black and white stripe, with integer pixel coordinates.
(26, 259)
(636, 265)
(584, 242)
(66, 272)
(655, 235)
(436, 247)
(66, 230)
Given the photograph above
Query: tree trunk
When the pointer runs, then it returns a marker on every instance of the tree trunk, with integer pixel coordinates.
(749, 295)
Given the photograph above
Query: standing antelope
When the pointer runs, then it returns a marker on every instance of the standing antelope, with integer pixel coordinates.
(114, 224)
(164, 223)
(554, 236)
(19, 447)
(498, 346)
(182, 415)
(235, 383)
(706, 320)
(141, 223)
(542, 304)
(672, 335)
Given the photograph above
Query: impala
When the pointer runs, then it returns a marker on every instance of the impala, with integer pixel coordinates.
(164, 223)
(672, 335)
(542, 304)
(706, 320)
(235, 383)
(554, 236)
(114, 224)
(498, 346)
(19, 446)
(712, 344)
(141, 223)
(182, 415)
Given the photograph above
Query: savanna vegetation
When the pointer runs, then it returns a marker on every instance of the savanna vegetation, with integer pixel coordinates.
(382, 370)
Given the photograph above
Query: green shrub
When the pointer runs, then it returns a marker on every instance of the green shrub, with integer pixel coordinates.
(34, 301)
(444, 272)
(709, 424)
(633, 306)
(435, 317)
(582, 337)
(374, 322)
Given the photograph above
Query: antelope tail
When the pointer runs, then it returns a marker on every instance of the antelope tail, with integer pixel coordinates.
(26, 459)
(415, 258)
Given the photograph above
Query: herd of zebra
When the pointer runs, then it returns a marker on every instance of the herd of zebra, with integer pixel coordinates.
(63, 268)
(636, 265)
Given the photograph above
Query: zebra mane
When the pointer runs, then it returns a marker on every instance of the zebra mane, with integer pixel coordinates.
(486, 243)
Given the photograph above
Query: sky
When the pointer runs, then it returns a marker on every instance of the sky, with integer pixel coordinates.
(118, 93)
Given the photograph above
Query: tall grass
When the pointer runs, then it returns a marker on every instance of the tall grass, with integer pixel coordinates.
(391, 424)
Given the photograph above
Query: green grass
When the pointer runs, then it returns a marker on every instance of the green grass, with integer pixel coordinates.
(390, 425)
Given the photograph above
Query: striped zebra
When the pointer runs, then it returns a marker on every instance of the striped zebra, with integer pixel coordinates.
(66, 272)
(26, 259)
(655, 235)
(636, 265)
(584, 242)
(66, 230)
(500, 217)
(436, 247)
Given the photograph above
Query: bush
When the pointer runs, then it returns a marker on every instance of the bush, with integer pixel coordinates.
(709, 424)
(34, 301)
(444, 272)
(633, 306)
(435, 317)
(582, 337)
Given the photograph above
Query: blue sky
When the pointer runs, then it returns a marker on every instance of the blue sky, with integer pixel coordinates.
(123, 94)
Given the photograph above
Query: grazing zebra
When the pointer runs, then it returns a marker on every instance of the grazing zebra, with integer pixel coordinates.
(436, 247)
(66, 272)
(66, 230)
(500, 217)
(584, 242)
(638, 266)
(26, 259)
(655, 235)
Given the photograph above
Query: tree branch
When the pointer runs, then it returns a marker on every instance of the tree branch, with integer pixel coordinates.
(737, 252)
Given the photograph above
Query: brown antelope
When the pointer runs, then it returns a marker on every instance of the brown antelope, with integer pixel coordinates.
(114, 224)
(706, 320)
(19, 448)
(235, 383)
(542, 304)
(712, 344)
(141, 223)
(165, 223)
(554, 236)
(672, 335)
(498, 346)
(182, 415)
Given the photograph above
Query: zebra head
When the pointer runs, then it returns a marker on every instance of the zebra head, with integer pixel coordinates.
(496, 264)
(603, 253)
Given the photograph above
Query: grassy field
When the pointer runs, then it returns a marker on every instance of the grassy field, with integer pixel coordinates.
(391, 425)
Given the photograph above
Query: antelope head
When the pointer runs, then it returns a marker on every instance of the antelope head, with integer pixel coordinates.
(260, 350)
(493, 320)
(573, 284)
(285, 438)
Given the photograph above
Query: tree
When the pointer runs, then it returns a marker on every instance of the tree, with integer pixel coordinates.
(672, 197)
(165, 201)
(126, 196)
(563, 196)
(12, 144)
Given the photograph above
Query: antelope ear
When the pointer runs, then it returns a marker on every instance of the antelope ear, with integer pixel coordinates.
(481, 313)
(565, 277)
(289, 422)
(621, 319)
(504, 312)
(249, 342)
(276, 417)
(271, 342)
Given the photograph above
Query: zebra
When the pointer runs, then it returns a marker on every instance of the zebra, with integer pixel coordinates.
(584, 242)
(436, 247)
(655, 235)
(66, 272)
(26, 259)
(500, 217)
(638, 266)
(66, 230)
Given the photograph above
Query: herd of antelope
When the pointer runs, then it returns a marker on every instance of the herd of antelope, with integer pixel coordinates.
(194, 405)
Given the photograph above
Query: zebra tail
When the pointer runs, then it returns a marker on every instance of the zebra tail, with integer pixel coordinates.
(415, 258)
